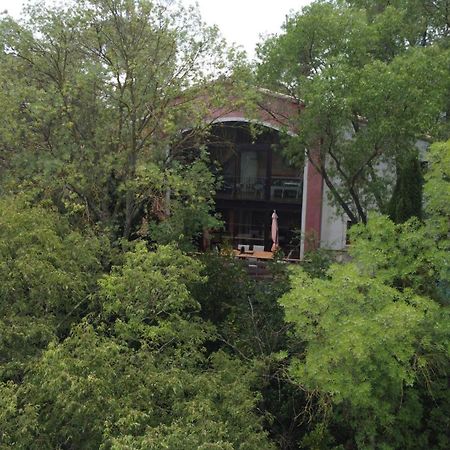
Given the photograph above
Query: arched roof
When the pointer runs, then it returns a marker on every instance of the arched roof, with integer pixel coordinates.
(273, 110)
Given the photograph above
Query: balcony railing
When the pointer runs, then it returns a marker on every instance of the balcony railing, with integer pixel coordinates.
(286, 189)
(278, 189)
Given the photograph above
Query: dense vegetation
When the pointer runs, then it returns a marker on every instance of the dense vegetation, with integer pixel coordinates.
(115, 334)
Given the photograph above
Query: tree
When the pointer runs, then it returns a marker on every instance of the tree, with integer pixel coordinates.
(375, 331)
(406, 200)
(250, 326)
(424, 21)
(369, 91)
(136, 375)
(437, 190)
(96, 94)
(437, 203)
(47, 273)
(375, 358)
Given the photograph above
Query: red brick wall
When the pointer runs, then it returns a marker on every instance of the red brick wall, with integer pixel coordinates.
(313, 216)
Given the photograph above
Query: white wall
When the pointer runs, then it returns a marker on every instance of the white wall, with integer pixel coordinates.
(334, 225)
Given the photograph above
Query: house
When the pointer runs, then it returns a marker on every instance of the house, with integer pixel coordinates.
(257, 179)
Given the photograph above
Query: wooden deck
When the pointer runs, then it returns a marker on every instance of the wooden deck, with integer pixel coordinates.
(251, 255)
(257, 263)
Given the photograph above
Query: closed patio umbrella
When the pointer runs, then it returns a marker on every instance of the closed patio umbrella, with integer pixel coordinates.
(274, 231)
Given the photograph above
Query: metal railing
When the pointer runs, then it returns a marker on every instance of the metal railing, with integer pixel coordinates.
(281, 189)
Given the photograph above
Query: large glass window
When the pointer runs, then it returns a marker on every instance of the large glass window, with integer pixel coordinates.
(256, 179)
(251, 168)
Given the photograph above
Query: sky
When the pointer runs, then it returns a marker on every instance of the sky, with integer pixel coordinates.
(244, 21)
(240, 21)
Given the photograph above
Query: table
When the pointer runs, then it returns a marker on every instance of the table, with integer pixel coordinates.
(253, 255)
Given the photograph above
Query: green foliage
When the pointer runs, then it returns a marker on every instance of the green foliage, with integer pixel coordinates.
(191, 207)
(376, 341)
(250, 326)
(316, 263)
(147, 300)
(142, 346)
(92, 392)
(437, 189)
(370, 91)
(47, 273)
(406, 200)
(437, 206)
(423, 22)
(96, 95)
(249, 322)
(403, 256)
(138, 376)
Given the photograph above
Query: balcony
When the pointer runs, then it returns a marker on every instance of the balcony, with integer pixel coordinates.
(286, 189)
(275, 189)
